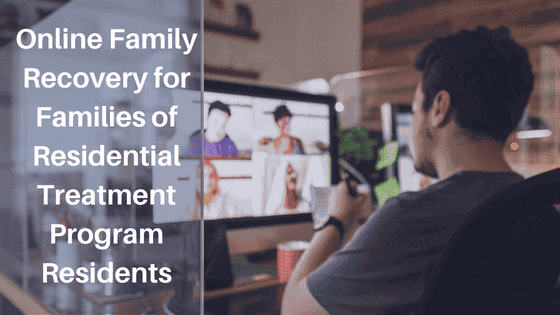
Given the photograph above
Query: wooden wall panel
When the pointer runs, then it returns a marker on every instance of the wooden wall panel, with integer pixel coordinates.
(394, 32)
(396, 87)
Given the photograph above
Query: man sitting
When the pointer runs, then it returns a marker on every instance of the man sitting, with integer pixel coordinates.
(474, 88)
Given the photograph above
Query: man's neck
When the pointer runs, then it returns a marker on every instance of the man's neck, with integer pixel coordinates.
(466, 154)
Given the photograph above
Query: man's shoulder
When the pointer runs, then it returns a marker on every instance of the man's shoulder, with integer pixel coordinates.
(462, 192)
(412, 198)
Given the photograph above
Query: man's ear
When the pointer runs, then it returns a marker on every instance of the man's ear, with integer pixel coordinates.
(441, 109)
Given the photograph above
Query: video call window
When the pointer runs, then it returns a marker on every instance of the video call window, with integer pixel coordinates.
(262, 155)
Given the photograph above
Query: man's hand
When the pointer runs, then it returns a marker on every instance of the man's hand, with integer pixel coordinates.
(297, 296)
(344, 207)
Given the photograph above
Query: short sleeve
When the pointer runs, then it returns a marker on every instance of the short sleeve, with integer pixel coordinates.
(380, 271)
(232, 148)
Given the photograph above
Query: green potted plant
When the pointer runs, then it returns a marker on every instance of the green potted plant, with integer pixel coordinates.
(355, 145)
(362, 149)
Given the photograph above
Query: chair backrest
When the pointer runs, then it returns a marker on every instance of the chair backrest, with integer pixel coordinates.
(505, 257)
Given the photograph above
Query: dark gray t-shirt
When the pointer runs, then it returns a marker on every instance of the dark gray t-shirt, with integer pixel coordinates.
(382, 269)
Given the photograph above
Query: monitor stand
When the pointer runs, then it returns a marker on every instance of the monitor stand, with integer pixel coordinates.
(218, 272)
(186, 298)
(262, 256)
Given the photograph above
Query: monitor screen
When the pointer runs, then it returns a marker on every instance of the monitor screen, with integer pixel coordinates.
(264, 150)
(407, 176)
(409, 179)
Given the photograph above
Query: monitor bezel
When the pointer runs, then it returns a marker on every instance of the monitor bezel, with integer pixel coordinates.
(216, 86)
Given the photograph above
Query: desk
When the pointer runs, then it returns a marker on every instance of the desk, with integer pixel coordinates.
(259, 293)
(254, 297)
(24, 301)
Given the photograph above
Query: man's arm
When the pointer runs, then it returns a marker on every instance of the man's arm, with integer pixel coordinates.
(297, 296)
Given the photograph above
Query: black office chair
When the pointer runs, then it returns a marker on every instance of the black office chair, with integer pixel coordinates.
(505, 258)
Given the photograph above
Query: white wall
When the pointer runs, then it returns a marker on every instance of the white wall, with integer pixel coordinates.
(300, 40)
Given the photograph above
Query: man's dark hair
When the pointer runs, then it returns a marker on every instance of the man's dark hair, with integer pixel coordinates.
(487, 75)
(281, 112)
(221, 106)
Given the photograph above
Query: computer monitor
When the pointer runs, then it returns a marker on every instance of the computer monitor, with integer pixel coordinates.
(397, 126)
(264, 150)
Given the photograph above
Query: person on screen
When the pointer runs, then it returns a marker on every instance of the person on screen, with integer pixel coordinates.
(218, 204)
(292, 195)
(216, 141)
(472, 94)
(284, 144)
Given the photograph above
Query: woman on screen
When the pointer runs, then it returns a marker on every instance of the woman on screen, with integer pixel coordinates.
(218, 203)
(285, 143)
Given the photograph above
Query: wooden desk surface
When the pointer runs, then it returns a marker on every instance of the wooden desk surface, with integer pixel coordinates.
(136, 303)
(244, 287)
(26, 303)
(29, 305)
